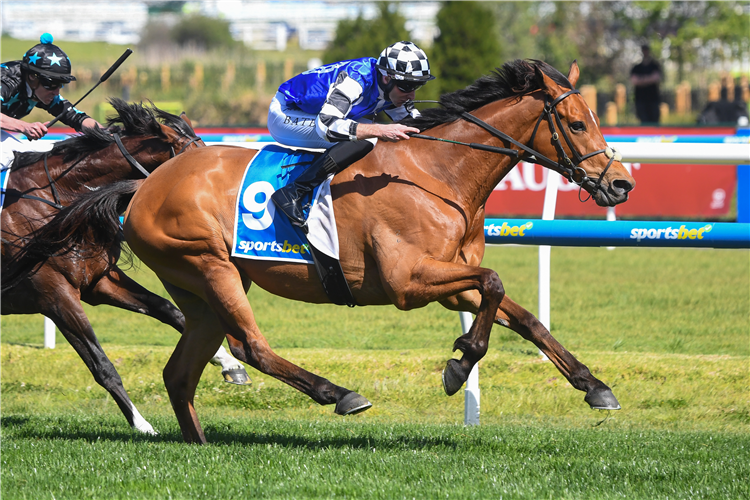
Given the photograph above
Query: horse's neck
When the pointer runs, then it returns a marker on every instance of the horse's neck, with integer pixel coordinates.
(472, 174)
(105, 167)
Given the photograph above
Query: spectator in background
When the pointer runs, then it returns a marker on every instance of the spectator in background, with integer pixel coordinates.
(725, 111)
(646, 77)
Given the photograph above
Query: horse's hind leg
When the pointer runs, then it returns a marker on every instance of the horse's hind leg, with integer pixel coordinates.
(183, 371)
(226, 309)
(70, 318)
(117, 289)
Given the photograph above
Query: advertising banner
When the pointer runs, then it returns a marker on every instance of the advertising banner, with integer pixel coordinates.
(592, 233)
(665, 191)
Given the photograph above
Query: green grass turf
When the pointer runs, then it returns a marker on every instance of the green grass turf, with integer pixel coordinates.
(667, 329)
(92, 457)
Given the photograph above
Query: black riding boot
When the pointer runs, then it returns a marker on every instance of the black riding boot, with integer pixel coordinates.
(334, 160)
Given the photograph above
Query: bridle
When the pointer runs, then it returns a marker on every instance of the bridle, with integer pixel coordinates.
(130, 159)
(568, 168)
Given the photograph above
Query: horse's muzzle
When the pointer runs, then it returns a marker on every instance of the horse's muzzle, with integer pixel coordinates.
(613, 193)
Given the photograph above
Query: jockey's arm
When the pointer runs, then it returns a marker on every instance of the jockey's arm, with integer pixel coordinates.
(35, 130)
(333, 125)
(91, 123)
(391, 132)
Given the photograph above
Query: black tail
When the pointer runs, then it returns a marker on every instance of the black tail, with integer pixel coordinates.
(89, 227)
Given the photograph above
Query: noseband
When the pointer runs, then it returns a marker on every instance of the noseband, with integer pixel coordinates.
(568, 169)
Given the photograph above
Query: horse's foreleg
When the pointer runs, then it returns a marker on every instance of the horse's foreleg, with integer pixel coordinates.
(439, 281)
(231, 369)
(598, 395)
(117, 289)
(70, 318)
(521, 321)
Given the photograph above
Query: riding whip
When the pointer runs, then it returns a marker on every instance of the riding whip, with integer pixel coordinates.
(103, 78)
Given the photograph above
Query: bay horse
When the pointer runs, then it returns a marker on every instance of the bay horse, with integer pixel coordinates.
(51, 276)
(410, 220)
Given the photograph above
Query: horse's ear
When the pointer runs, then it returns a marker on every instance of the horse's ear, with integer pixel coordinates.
(546, 83)
(186, 119)
(574, 73)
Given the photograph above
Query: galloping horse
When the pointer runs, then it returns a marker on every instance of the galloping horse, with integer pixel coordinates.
(410, 220)
(51, 277)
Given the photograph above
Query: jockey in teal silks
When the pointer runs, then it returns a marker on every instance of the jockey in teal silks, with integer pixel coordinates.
(332, 108)
(35, 82)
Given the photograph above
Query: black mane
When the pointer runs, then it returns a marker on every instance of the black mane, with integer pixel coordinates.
(132, 120)
(514, 78)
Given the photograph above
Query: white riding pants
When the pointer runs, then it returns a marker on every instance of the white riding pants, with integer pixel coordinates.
(10, 144)
(291, 126)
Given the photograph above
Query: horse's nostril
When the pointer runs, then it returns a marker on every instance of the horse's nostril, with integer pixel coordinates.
(621, 185)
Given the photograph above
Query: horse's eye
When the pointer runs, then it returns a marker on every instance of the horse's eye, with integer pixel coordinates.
(578, 127)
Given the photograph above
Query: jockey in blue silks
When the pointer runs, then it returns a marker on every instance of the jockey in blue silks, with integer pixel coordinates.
(332, 107)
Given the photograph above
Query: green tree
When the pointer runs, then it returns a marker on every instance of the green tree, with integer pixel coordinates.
(467, 46)
(693, 33)
(204, 32)
(361, 37)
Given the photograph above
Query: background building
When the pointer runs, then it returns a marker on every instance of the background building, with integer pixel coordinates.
(261, 25)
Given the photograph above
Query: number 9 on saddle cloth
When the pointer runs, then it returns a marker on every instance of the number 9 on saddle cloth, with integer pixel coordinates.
(261, 232)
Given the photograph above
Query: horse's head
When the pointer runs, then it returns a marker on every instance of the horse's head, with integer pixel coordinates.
(573, 137)
(154, 134)
(179, 132)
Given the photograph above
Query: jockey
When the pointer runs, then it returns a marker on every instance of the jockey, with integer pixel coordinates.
(332, 107)
(33, 82)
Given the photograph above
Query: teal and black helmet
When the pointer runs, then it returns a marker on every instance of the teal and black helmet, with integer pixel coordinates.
(48, 60)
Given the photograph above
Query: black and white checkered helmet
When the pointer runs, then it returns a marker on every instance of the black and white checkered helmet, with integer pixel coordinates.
(404, 61)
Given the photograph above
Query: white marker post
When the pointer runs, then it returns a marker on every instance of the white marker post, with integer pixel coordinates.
(545, 252)
(49, 333)
(471, 393)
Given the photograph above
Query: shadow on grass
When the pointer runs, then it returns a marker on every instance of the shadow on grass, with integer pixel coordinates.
(364, 440)
(365, 436)
(24, 344)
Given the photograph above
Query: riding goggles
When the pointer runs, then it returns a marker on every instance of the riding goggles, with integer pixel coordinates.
(50, 84)
(407, 86)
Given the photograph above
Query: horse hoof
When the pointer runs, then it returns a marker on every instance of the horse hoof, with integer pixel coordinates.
(452, 380)
(351, 404)
(602, 399)
(237, 376)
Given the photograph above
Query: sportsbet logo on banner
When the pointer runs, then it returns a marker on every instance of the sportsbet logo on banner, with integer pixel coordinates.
(507, 230)
(669, 233)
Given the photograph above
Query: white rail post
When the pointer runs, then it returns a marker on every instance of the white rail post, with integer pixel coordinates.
(471, 393)
(611, 216)
(49, 333)
(545, 251)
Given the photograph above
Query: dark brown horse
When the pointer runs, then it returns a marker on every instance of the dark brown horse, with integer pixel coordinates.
(410, 219)
(52, 275)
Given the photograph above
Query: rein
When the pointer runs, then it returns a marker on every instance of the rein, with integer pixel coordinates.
(191, 141)
(133, 162)
(568, 170)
